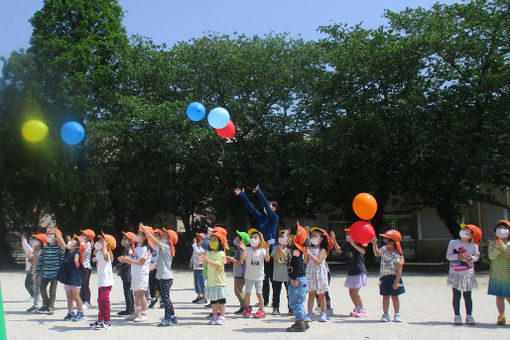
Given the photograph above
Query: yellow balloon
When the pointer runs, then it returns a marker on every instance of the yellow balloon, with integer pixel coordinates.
(34, 130)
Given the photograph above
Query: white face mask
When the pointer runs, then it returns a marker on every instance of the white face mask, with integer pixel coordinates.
(502, 233)
(125, 243)
(464, 234)
(34, 243)
(51, 239)
(283, 241)
(236, 242)
(98, 246)
(315, 241)
(70, 245)
(254, 242)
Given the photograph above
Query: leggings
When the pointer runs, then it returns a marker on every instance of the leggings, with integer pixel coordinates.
(128, 296)
(467, 300)
(153, 284)
(165, 297)
(277, 288)
(85, 285)
(29, 284)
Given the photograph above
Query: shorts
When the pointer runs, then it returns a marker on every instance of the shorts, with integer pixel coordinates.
(356, 281)
(216, 293)
(140, 283)
(248, 285)
(68, 288)
(386, 286)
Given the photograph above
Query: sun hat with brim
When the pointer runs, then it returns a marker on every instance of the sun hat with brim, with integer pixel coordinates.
(202, 235)
(173, 238)
(325, 233)
(90, 233)
(253, 231)
(503, 223)
(82, 247)
(151, 231)
(111, 243)
(221, 237)
(132, 238)
(41, 237)
(395, 236)
(477, 232)
(300, 238)
(244, 237)
(224, 233)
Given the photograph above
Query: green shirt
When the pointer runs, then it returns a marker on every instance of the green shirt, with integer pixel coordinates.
(216, 276)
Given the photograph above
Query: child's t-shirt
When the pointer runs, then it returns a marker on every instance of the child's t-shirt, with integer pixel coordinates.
(296, 266)
(354, 260)
(389, 261)
(239, 270)
(104, 270)
(280, 265)
(139, 253)
(216, 276)
(165, 259)
(197, 250)
(254, 260)
(86, 256)
(459, 267)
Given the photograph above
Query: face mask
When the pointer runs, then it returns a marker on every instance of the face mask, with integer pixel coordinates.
(34, 243)
(254, 242)
(98, 246)
(502, 233)
(51, 239)
(236, 242)
(214, 244)
(282, 241)
(70, 245)
(139, 239)
(125, 243)
(315, 241)
(464, 234)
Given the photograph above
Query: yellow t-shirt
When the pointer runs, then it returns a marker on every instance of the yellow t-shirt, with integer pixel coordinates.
(216, 276)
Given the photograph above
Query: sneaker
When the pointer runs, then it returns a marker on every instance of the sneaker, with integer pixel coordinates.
(124, 313)
(153, 303)
(362, 312)
(50, 310)
(34, 308)
(210, 315)
(354, 312)
(86, 305)
(260, 314)
(79, 316)
(308, 317)
(457, 320)
(42, 310)
(166, 323)
(501, 320)
(174, 319)
(196, 300)
(239, 311)
(131, 317)
(103, 325)
(323, 317)
(298, 326)
(329, 311)
(213, 320)
(276, 311)
(140, 318)
(397, 318)
(208, 305)
(247, 312)
(94, 324)
(69, 316)
(385, 318)
(470, 320)
(203, 300)
(317, 309)
(221, 320)
(107, 325)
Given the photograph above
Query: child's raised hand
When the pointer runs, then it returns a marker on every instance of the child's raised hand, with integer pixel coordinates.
(237, 191)
(242, 246)
(256, 188)
(333, 235)
(374, 240)
(266, 246)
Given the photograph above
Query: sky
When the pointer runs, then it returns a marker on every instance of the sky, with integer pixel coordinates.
(167, 21)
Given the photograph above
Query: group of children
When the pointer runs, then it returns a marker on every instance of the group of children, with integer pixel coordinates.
(299, 257)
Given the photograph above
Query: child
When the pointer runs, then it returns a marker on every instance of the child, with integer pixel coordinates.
(254, 256)
(239, 269)
(214, 260)
(103, 252)
(48, 265)
(499, 278)
(153, 281)
(140, 262)
(280, 255)
(296, 269)
(198, 269)
(124, 271)
(36, 244)
(69, 275)
(29, 282)
(356, 272)
(462, 254)
(164, 274)
(87, 236)
(390, 276)
(317, 272)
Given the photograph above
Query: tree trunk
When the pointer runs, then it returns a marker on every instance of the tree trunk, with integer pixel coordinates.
(451, 216)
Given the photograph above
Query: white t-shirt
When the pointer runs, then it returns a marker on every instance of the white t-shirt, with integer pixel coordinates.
(139, 253)
(104, 270)
(197, 250)
(254, 264)
(86, 256)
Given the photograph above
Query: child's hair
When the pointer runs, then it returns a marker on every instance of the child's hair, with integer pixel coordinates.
(324, 244)
(275, 204)
(293, 230)
(220, 245)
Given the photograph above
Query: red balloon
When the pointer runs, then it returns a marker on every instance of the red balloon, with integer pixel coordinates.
(228, 131)
(362, 232)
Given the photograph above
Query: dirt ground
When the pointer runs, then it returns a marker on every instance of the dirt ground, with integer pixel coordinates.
(425, 308)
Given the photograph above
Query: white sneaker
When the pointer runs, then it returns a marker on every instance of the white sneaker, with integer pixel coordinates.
(130, 317)
(457, 320)
(470, 320)
(385, 318)
(140, 318)
(86, 305)
(397, 318)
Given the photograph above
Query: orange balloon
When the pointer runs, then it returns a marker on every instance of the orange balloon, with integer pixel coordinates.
(364, 206)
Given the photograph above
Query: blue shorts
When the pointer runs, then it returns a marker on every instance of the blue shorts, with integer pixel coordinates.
(386, 286)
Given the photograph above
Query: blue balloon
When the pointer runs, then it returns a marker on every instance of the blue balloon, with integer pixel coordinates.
(195, 111)
(72, 133)
(218, 118)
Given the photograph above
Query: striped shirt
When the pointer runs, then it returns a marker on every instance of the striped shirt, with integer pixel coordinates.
(49, 261)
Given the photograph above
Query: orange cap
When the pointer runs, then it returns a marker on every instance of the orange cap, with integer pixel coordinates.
(173, 239)
(300, 237)
(41, 237)
(90, 233)
(202, 235)
(111, 243)
(330, 241)
(395, 236)
(477, 232)
(132, 237)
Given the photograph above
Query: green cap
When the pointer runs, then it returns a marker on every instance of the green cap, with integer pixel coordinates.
(244, 237)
